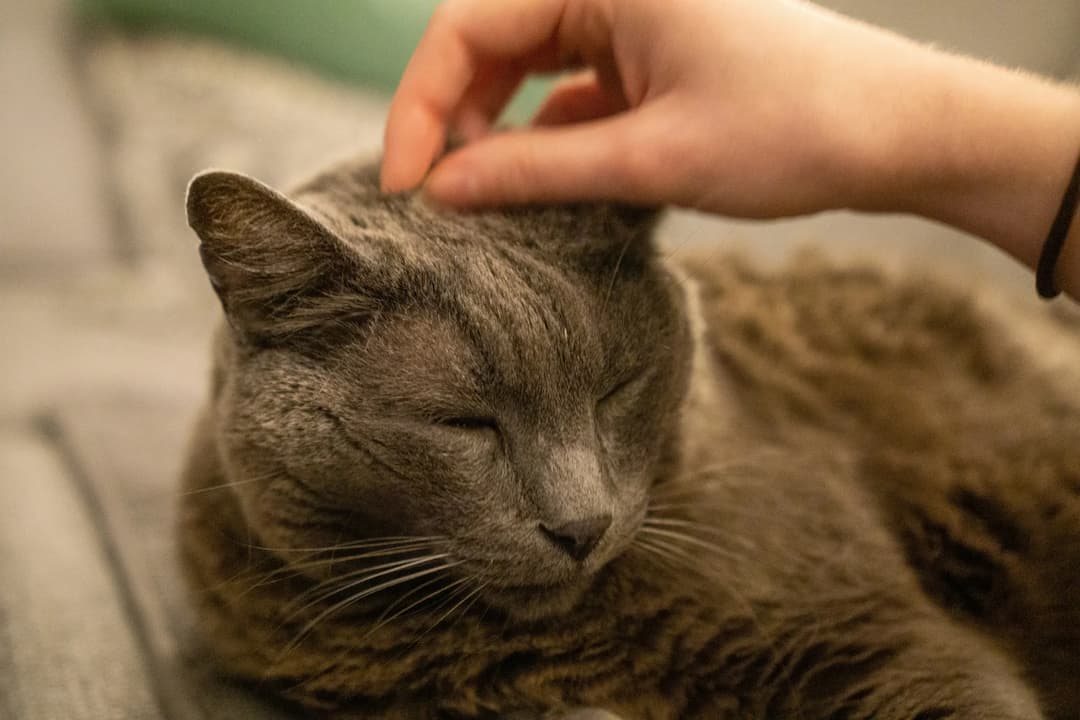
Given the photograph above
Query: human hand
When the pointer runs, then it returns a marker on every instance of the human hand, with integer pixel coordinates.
(748, 108)
(741, 107)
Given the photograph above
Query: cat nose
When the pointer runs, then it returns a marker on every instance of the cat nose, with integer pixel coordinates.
(577, 538)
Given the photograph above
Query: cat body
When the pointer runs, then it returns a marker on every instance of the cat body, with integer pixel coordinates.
(514, 464)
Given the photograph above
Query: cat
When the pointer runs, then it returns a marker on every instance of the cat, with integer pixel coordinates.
(518, 464)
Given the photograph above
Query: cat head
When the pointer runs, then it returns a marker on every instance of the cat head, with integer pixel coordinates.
(504, 383)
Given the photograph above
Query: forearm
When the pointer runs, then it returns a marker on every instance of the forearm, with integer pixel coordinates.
(989, 151)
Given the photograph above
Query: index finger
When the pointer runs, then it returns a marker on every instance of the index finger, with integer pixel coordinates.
(461, 36)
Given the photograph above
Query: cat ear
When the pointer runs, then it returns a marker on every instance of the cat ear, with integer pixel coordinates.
(270, 262)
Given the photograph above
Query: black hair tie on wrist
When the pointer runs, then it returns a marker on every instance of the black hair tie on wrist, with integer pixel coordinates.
(1055, 241)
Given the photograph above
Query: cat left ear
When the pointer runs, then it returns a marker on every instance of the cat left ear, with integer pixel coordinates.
(268, 259)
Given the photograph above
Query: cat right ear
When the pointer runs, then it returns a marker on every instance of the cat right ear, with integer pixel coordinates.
(275, 268)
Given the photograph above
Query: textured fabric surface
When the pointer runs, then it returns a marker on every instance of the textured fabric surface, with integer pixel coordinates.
(127, 451)
(66, 647)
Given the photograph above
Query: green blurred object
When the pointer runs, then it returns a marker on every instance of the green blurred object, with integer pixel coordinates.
(363, 41)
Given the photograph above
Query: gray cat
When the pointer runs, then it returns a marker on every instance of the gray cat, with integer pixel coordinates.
(516, 464)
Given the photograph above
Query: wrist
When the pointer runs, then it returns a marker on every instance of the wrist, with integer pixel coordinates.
(897, 151)
(989, 151)
(1067, 271)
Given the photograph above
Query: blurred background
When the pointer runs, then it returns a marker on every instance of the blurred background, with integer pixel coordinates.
(107, 108)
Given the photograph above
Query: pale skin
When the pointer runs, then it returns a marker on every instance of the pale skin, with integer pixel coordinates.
(746, 108)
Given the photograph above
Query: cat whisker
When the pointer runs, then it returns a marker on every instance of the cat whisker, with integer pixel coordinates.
(670, 254)
(716, 532)
(336, 585)
(384, 619)
(688, 504)
(335, 557)
(222, 486)
(731, 524)
(472, 602)
(662, 523)
(470, 596)
(372, 542)
(264, 477)
(682, 556)
(667, 556)
(313, 559)
(725, 507)
(294, 569)
(692, 490)
(243, 574)
(689, 539)
(678, 522)
(679, 555)
(369, 544)
(351, 599)
(719, 472)
(615, 272)
(706, 261)
(393, 582)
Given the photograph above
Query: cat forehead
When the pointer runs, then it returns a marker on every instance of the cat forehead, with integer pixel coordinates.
(536, 278)
(348, 199)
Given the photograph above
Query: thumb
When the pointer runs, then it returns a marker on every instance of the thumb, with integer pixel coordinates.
(599, 160)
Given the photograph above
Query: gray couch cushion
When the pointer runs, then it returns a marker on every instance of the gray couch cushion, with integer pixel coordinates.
(126, 454)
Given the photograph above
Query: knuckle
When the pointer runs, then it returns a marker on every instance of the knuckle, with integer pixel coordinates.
(638, 165)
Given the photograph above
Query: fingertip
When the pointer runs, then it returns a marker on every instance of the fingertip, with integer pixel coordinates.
(551, 164)
(410, 144)
(394, 179)
(453, 184)
(389, 178)
(394, 171)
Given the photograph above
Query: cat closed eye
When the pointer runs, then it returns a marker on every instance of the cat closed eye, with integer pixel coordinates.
(472, 424)
(620, 388)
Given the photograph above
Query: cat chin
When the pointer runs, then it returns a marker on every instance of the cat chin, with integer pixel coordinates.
(537, 602)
